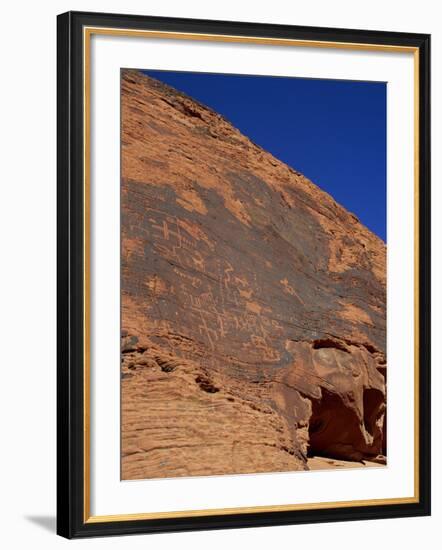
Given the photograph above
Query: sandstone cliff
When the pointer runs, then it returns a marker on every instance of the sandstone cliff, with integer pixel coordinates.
(253, 305)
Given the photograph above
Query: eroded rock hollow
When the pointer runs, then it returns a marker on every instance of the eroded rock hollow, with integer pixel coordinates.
(253, 305)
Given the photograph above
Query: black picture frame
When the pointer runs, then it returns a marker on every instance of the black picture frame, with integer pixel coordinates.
(71, 517)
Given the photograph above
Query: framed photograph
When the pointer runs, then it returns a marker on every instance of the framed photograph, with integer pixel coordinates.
(243, 256)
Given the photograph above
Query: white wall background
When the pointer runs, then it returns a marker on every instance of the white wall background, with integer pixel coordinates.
(27, 274)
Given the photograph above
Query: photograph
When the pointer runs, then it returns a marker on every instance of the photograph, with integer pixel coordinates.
(253, 274)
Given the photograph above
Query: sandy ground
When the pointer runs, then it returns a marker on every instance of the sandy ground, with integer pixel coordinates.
(323, 463)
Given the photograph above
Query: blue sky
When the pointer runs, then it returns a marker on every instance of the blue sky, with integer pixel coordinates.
(333, 131)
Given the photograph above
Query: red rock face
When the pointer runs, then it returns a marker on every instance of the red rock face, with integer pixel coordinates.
(253, 305)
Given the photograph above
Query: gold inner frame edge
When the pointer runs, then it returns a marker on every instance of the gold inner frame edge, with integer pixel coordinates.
(87, 33)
